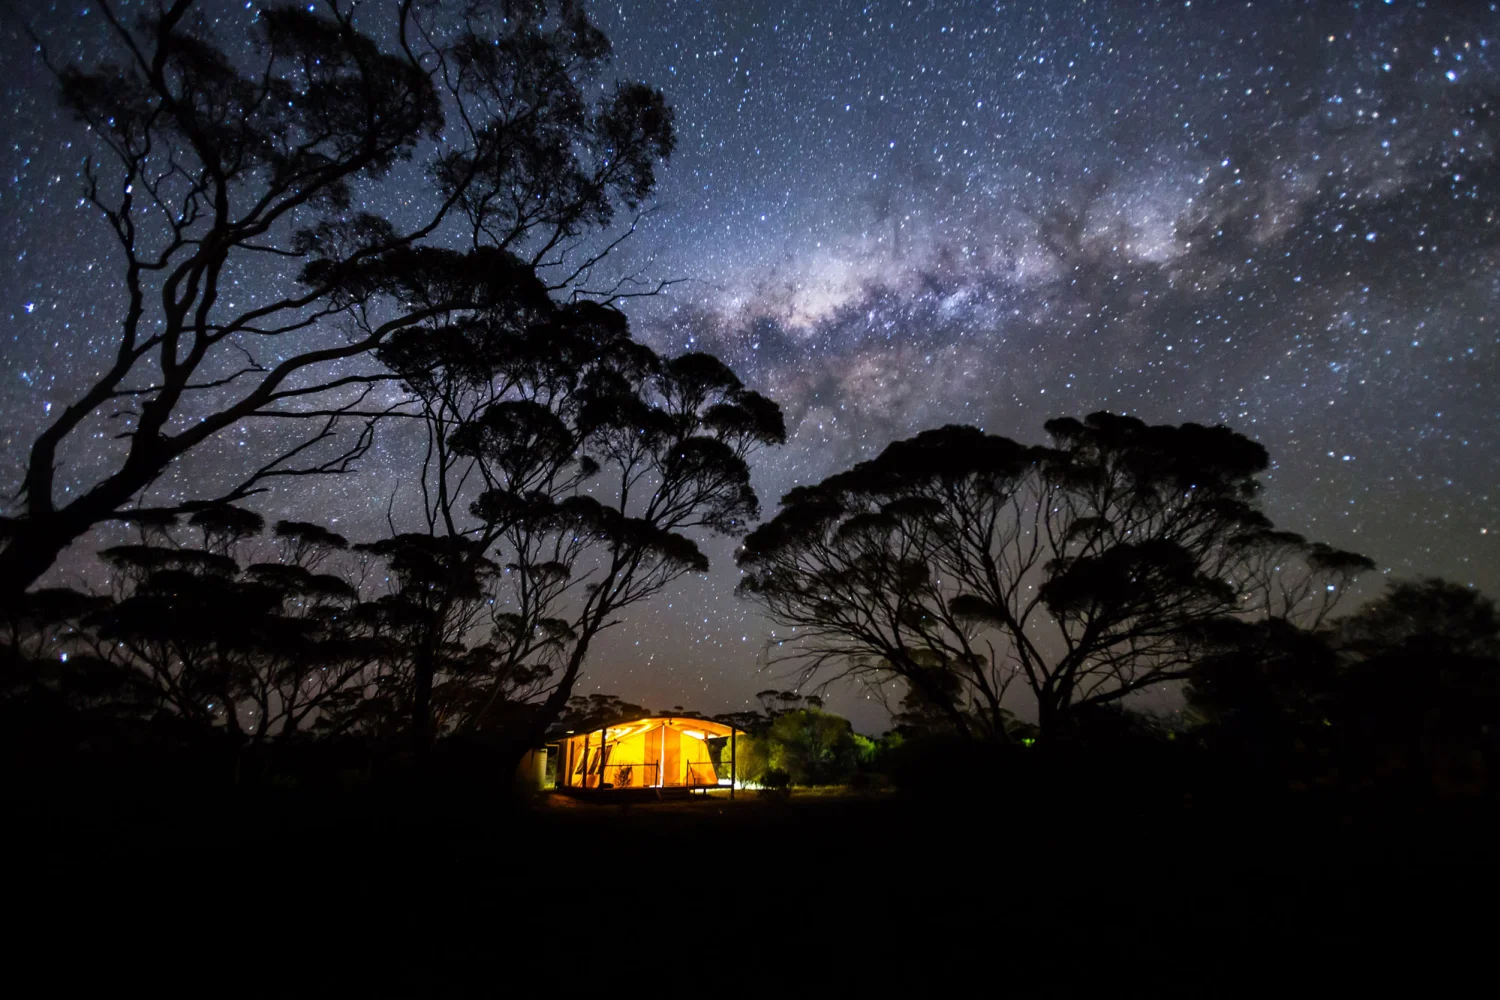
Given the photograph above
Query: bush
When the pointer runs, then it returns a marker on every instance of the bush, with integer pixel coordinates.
(776, 784)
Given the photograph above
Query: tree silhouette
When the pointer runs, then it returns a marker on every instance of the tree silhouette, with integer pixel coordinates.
(1262, 696)
(261, 650)
(1091, 569)
(586, 712)
(930, 710)
(573, 461)
(50, 678)
(1430, 618)
(197, 634)
(1403, 694)
(1418, 698)
(216, 170)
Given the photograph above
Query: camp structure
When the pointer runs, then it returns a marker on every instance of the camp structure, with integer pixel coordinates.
(657, 752)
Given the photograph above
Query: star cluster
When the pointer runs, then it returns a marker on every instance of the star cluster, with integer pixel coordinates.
(893, 215)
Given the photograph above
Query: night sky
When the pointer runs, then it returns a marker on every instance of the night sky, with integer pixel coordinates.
(1283, 217)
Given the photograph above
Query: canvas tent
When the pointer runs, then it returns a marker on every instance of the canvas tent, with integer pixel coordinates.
(657, 752)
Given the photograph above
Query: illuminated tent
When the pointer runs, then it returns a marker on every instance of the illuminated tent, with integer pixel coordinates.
(647, 753)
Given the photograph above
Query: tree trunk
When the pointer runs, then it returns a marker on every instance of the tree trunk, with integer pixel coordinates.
(512, 751)
(1048, 718)
(421, 707)
(998, 732)
(553, 707)
(32, 551)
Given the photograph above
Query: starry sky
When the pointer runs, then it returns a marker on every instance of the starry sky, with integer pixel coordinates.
(1284, 217)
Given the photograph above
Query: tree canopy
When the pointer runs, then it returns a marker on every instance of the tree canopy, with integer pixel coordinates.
(1090, 569)
(574, 460)
(569, 466)
(1403, 693)
(214, 168)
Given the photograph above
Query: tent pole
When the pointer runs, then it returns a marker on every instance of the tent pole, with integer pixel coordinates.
(733, 768)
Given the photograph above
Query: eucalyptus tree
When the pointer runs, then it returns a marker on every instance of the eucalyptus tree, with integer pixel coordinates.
(260, 649)
(568, 467)
(1090, 569)
(231, 180)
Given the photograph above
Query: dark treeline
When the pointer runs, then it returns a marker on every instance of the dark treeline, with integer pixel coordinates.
(1028, 597)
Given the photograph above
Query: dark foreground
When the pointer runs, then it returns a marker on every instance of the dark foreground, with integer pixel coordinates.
(285, 893)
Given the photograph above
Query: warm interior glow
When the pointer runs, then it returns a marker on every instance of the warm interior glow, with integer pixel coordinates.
(645, 753)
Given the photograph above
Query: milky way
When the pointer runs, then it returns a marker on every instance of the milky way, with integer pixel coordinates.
(1282, 217)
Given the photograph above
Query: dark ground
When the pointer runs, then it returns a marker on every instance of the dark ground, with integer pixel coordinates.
(294, 893)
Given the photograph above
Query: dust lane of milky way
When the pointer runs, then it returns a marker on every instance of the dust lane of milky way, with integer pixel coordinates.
(894, 215)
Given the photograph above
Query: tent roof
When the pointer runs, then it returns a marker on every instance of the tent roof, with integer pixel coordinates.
(699, 728)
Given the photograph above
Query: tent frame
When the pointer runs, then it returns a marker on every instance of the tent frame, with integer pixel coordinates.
(572, 754)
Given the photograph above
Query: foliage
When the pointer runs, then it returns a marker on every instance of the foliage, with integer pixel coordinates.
(198, 631)
(213, 167)
(1427, 617)
(808, 745)
(960, 561)
(596, 711)
(568, 464)
(535, 411)
(1404, 694)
